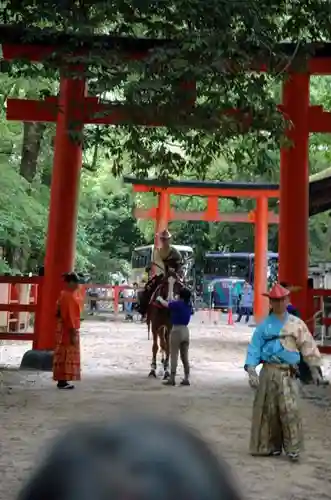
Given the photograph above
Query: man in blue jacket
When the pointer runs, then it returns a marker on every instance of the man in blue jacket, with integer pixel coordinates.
(181, 311)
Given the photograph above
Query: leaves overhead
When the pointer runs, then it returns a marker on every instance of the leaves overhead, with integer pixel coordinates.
(210, 42)
(195, 72)
(107, 232)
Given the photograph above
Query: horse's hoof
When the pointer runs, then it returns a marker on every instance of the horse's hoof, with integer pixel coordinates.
(166, 376)
(152, 374)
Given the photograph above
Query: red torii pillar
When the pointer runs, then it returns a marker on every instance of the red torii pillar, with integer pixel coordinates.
(261, 258)
(162, 219)
(61, 234)
(294, 190)
(162, 214)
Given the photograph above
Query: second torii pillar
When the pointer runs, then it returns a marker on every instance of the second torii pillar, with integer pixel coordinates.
(294, 190)
(261, 258)
(162, 218)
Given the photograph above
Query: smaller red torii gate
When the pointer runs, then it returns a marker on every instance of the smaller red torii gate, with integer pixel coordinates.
(261, 217)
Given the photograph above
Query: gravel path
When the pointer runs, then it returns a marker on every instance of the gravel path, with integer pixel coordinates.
(116, 361)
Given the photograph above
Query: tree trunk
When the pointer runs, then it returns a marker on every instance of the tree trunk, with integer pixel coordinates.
(32, 137)
(46, 175)
(9, 254)
(95, 156)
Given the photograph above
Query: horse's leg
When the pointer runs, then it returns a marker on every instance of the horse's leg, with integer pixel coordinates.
(167, 359)
(167, 352)
(164, 343)
(155, 348)
(161, 335)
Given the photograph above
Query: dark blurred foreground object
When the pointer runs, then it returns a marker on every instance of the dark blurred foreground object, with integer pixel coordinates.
(135, 459)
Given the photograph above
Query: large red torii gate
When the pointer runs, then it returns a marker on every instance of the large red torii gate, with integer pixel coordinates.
(212, 191)
(72, 105)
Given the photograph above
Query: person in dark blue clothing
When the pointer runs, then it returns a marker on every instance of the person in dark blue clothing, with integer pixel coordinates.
(181, 311)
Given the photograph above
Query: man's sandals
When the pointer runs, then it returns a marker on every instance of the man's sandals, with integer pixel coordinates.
(66, 387)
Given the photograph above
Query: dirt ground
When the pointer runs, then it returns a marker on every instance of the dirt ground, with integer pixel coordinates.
(116, 361)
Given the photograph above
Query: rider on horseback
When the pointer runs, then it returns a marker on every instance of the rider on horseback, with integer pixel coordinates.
(166, 260)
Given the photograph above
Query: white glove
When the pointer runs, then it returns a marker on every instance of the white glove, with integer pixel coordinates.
(253, 378)
(163, 302)
(316, 375)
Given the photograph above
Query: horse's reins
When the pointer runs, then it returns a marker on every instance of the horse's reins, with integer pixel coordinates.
(160, 285)
(157, 265)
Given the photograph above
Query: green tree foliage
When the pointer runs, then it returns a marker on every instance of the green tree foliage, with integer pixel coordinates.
(213, 42)
(107, 231)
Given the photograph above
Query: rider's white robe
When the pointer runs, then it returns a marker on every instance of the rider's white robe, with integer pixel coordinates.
(159, 256)
(157, 259)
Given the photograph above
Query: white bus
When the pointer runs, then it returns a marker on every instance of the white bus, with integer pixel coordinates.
(142, 259)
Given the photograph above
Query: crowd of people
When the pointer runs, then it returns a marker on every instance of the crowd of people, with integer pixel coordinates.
(129, 294)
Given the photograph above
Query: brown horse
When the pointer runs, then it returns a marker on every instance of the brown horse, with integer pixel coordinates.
(159, 321)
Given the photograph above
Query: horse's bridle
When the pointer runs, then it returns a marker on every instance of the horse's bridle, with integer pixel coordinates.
(164, 280)
(176, 275)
